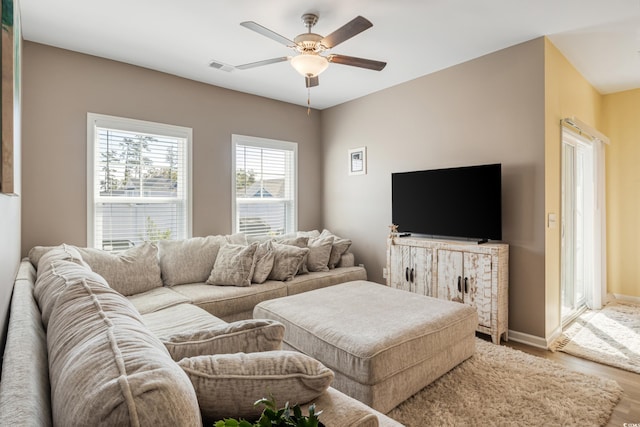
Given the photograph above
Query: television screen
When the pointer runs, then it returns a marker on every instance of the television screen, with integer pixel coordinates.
(463, 202)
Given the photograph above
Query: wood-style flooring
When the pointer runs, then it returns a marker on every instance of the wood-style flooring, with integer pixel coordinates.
(628, 409)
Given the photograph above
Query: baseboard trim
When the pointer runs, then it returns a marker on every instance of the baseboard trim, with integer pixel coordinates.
(527, 339)
(626, 298)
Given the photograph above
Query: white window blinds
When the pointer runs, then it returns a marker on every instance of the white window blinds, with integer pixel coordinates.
(264, 186)
(138, 181)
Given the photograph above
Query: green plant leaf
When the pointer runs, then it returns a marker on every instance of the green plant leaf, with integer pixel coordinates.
(289, 416)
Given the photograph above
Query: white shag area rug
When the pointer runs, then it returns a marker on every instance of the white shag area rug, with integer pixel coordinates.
(500, 386)
(610, 336)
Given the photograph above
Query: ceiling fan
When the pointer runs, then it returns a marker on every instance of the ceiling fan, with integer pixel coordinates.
(310, 60)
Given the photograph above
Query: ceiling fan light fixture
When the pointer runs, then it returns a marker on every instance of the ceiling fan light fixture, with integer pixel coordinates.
(309, 64)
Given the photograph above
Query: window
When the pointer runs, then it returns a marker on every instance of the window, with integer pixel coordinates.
(264, 186)
(138, 182)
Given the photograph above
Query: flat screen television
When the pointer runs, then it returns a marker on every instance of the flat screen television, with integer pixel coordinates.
(462, 202)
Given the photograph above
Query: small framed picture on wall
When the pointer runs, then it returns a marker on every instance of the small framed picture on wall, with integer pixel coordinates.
(358, 161)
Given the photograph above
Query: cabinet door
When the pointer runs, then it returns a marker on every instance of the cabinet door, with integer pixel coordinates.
(421, 270)
(477, 276)
(449, 275)
(396, 269)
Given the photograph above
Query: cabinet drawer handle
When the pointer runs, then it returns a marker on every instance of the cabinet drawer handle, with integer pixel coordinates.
(406, 274)
(466, 285)
(459, 284)
(411, 275)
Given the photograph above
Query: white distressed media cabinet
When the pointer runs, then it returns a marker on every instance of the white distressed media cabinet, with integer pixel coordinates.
(466, 272)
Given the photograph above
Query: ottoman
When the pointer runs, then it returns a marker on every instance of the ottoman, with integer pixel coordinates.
(383, 344)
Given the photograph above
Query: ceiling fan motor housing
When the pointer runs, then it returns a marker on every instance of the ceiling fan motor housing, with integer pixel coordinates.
(309, 42)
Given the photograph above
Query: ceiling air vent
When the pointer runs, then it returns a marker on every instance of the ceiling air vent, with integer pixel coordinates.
(221, 66)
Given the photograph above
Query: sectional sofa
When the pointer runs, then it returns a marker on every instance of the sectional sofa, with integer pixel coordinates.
(163, 333)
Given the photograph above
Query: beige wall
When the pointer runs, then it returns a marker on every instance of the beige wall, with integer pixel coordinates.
(621, 124)
(488, 110)
(61, 86)
(567, 94)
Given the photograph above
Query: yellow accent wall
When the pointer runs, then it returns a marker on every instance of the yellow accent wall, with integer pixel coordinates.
(567, 94)
(622, 126)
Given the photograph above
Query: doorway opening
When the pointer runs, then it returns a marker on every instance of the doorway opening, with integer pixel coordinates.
(582, 244)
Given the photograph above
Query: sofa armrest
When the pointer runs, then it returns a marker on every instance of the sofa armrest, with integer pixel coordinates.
(25, 390)
(347, 260)
(338, 410)
(243, 336)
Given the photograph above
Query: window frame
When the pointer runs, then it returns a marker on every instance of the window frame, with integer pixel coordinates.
(268, 144)
(94, 121)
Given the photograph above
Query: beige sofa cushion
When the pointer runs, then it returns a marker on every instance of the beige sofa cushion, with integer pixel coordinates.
(234, 265)
(338, 409)
(229, 384)
(287, 261)
(180, 319)
(106, 368)
(264, 262)
(309, 234)
(187, 330)
(57, 268)
(156, 299)
(190, 260)
(340, 246)
(319, 253)
(69, 253)
(130, 272)
(243, 336)
(223, 301)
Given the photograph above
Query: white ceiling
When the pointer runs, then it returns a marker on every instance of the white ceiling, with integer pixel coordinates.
(415, 37)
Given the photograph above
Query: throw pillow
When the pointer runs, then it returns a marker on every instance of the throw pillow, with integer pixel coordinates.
(309, 234)
(299, 242)
(131, 272)
(237, 239)
(228, 384)
(234, 265)
(319, 253)
(340, 246)
(69, 253)
(286, 262)
(264, 262)
(243, 336)
(189, 260)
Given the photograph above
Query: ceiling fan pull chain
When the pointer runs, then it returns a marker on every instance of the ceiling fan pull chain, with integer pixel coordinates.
(308, 101)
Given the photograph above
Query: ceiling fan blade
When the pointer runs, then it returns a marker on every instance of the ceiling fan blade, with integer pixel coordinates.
(311, 81)
(357, 62)
(267, 33)
(348, 30)
(261, 63)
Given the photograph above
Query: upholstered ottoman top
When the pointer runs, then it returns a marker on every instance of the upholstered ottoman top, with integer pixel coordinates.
(369, 332)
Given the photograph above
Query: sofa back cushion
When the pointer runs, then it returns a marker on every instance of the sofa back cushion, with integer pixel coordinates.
(105, 366)
(54, 274)
(64, 251)
(133, 271)
(189, 260)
